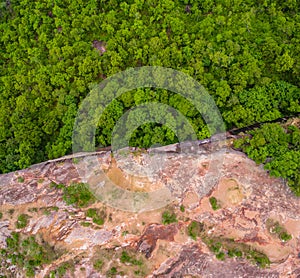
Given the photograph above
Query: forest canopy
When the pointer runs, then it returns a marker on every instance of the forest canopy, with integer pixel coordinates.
(245, 53)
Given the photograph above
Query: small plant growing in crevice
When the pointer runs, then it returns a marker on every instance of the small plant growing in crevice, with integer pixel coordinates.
(220, 256)
(258, 258)
(33, 210)
(234, 253)
(126, 258)
(11, 212)
(284, 236)
(57, 185)
(124, 233)
(215, 247)
(75, 160)
(98, 217)
(214, 203)
(61, 270)
(194, 229)
(112, 272)
(182, 208)
(55, 208)
(46, 212)
(22, 221)
(85, 224)
(168, 217)
(21, 179)
(98, 264)
(275, 228)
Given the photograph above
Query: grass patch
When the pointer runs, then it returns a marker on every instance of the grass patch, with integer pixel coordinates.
(76, 194)
(214, 203)
(168, 217)
(284, 236)
(126, 258)
(22, 221)
(225, 247)
(114, 262)
(112, 272)
(275, 228)
(194, 229)
(182, 208)
(221, 256)
(60, 271)
(47, 211)
(11, 212)
(57, 185)
(21, 179)
(234, 253)
(33, 210)
(76, 160)
(124, 233)
(98, 264)
(85, 224)
(98, 217)
(1, 215)
(258, 258)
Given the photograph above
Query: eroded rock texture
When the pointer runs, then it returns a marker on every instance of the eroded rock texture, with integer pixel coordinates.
(248, 199)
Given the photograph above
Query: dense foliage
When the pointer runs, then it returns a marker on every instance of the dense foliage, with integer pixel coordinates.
(278, 148)
(245, 53)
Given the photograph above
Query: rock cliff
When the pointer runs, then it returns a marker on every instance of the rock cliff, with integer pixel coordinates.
(213, 213)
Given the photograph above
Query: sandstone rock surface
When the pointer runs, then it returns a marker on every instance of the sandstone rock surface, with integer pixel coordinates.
(248, 197)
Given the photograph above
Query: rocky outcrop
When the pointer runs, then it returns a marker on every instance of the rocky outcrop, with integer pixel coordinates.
(192, 261)
(147, 241)
(247, 199)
